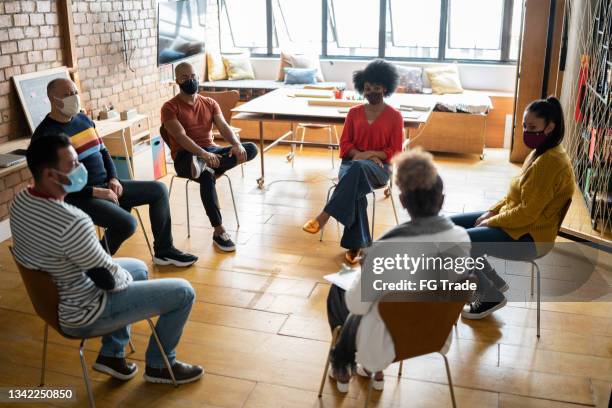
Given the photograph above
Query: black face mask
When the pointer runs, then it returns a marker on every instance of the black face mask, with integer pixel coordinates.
(374, 98)
(189, 86)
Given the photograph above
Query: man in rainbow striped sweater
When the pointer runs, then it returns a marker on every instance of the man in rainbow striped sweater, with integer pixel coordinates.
(105, 198)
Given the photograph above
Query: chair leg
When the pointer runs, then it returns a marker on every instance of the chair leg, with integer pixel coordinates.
(144, 231)
(242, 169)
(450, 381)
(532, 279)
(373, 211)
(162, 351)
(171, 183)
(302, 131)
(92, 403)
(326, 201)
(331, 346)
(393, 204)
(331, 149)
(538, 297)
(229, 180)
(44, 356)
(370, 386)
(401, 368)
(187, 205)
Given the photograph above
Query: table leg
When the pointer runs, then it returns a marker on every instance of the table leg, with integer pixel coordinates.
(260, 181)
(128, 161)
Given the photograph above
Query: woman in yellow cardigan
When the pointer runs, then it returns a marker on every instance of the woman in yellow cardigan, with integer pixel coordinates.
(531, 211)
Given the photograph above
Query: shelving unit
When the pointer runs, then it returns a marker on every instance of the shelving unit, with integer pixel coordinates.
(590, 132)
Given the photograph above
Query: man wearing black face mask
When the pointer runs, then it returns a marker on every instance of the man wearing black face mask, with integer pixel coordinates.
(188, 119)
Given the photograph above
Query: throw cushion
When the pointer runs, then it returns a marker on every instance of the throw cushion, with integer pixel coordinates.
(288, 60)
(410, 79)
(300, 75)
(215, 66)
(444, 79)
(238, 67)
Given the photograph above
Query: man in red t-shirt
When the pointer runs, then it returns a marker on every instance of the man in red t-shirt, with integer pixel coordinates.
(188, 119)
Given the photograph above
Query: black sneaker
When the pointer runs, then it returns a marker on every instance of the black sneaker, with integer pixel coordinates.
(174, 257)
(480, 310)
(183, 373)
(116, 367)
(224, 242)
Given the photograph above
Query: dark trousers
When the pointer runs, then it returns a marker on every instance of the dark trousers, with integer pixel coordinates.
(207, 181)
(489, 235)
(343, 353)
(120, 224)
(349, 203)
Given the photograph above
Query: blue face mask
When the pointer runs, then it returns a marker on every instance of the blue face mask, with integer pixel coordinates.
(78, 179)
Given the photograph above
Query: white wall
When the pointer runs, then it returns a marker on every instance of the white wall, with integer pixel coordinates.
(473, 76)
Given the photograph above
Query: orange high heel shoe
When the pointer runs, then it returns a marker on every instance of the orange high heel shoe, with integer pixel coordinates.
(312, 226)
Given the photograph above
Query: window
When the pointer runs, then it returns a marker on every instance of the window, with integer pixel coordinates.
(475, 35)
(352, 27)
(297, 25)
(435, 30)
(413, 28)
(238, 33)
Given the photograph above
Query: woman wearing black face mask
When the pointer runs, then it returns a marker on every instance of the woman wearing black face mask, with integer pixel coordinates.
(531, 211)
(372, 135)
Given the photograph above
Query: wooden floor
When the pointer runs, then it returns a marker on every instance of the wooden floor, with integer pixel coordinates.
(259, 325)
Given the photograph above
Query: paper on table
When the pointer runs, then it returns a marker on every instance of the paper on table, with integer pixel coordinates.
(344, 278)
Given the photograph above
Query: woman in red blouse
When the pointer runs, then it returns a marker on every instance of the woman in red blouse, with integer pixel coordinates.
(372, 135)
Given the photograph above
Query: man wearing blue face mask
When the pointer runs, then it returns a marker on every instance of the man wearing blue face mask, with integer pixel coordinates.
(105, 199)
(96, 293)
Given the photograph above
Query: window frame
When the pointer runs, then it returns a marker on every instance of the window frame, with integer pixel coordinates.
(506, 35)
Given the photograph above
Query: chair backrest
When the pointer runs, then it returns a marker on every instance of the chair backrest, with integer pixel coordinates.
(420, 327)
(227, 101)
(42, 292)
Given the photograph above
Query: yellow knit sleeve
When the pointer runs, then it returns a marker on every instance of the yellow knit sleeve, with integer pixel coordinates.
(498, 205)
(537, 190)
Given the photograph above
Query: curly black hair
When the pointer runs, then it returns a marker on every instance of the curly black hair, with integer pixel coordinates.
(378, 72)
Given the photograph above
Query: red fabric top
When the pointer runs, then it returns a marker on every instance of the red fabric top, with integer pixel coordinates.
(385, 134)
(197, 120)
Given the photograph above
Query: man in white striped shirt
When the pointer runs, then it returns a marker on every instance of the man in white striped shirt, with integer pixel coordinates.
(96, 293)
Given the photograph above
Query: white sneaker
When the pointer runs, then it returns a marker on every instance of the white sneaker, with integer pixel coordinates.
(378, 385)
(342, 387)
(198, 165)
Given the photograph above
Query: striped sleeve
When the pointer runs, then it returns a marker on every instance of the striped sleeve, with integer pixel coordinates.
(82, 247)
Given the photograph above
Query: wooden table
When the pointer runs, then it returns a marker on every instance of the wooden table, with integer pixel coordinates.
(281, 105)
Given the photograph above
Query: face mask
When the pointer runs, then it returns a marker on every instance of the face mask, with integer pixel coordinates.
(78, 179)
(533, 140)
(374, 98)
(189, 86)
(72, 105)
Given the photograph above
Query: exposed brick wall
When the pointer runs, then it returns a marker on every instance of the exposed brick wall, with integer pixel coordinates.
(29, 41)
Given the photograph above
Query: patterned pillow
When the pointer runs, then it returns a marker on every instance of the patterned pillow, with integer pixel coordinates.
(215, 66)
(410, 79)
(238, 67)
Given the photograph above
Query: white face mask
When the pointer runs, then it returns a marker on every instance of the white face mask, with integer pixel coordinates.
(72, 105)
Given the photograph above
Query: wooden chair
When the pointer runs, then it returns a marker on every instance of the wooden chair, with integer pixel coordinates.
(166, 138)
(227, 101)
(301, 128)
(419, 326)
(45, 300)
(534, 264)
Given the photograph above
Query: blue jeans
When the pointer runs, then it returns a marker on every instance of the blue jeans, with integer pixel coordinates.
(492, 235)
(349, 203)
(170, 299)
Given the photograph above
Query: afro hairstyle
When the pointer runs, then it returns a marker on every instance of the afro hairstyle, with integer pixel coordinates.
(378, 72)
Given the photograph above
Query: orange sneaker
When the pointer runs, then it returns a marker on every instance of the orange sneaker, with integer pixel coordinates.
(312, 226)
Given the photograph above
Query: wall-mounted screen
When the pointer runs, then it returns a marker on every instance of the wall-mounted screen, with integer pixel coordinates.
(181, 29)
